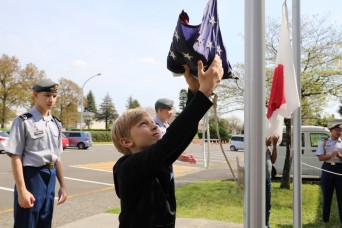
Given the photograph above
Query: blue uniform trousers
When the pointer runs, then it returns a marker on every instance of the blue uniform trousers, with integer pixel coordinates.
(329, 182)
(40, 182)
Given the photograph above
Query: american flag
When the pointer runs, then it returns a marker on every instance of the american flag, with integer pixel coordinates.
(202, 42)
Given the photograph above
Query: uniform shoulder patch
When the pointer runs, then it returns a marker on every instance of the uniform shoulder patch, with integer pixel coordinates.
(25, 116)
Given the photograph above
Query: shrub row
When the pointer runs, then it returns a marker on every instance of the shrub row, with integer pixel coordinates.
(101, 136)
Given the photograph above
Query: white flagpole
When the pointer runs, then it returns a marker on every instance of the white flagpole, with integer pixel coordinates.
(206, 140)
(297, 166)
(255, 113)
(248, 188)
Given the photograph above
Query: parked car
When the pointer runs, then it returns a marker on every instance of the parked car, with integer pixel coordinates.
(237, 142)
(3, 141)
(79, 139)
(312, 136)
(65, 141)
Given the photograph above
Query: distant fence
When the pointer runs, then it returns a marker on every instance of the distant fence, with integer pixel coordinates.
(212, 141)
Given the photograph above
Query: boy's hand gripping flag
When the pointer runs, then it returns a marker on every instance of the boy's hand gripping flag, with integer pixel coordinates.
(284, 97)
(201, 42)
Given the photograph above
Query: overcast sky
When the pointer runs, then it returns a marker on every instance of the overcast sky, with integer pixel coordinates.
(126, 41)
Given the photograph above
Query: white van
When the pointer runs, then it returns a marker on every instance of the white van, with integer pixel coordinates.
(312, 136)
(237, 142)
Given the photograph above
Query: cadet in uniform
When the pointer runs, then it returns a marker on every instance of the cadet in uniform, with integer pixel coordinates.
(330, 151)
(164, 111)
(35, 146)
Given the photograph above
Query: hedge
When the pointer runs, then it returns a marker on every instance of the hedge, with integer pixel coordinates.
(101, 136)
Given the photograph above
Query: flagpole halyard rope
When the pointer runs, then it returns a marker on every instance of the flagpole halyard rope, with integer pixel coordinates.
(324, 170)
(220, 141)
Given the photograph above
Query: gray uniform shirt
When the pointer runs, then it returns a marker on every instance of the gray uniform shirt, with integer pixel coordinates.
(35, 139)
(162, 126)
(330, 146)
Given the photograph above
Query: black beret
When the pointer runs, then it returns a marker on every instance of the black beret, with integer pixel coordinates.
(45, 85)
(338, 126)
(163, 103)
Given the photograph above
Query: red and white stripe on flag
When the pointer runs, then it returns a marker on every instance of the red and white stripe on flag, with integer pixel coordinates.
(284, 98)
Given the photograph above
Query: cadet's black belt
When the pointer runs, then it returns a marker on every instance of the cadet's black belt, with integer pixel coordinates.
(50, 165)
(333, 163)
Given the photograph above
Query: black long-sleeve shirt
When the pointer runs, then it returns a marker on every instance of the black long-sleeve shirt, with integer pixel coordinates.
(144, 181)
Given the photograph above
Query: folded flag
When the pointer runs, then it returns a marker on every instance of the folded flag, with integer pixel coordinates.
(202, 42)
(284, 98)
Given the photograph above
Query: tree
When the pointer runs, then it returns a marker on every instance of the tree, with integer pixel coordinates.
(231, 92)
(323, 120)
(183, 97)
(90, 103)
(89, 109)
(88, 118)
(321, 76)
(234, 125)
(15, 86)
(321, 49)
(66, 108)
(285, 180)
(222, 123)
(28, 77)
(132, 103)
(107, 111)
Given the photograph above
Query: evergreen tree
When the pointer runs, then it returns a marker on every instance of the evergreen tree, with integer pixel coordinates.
(107, 111)
(132, 103)
(91, 105)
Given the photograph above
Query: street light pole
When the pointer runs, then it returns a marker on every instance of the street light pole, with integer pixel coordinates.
(81, 121)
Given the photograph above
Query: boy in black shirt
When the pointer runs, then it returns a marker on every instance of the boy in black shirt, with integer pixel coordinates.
(142, 177)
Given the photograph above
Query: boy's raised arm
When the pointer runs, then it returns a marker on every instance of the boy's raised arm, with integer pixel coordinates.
(181, 132)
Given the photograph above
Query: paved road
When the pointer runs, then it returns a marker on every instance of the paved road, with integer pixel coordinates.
(89, 180)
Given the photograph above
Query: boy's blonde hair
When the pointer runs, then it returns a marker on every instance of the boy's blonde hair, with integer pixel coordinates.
(123, 125)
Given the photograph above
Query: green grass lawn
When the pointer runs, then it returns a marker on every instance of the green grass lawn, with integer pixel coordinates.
(219, 200)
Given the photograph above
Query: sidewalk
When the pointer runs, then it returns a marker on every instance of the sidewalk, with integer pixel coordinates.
(105, 220)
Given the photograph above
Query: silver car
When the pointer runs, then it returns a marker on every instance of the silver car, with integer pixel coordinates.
(3, 141)
(79, 139)
(237, 142)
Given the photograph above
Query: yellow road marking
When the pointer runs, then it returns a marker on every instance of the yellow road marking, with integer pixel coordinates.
(108, 166)
(6, 211)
